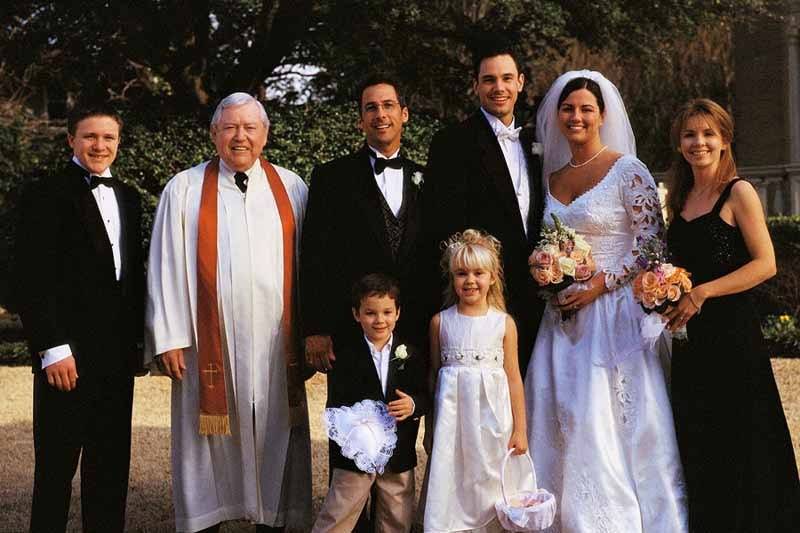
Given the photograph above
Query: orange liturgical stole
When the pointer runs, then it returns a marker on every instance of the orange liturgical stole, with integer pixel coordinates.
(214, 419)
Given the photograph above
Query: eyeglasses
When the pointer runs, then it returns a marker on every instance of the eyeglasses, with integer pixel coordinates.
(387, 105)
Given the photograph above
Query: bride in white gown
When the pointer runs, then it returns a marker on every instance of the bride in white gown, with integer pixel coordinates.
(601, 429)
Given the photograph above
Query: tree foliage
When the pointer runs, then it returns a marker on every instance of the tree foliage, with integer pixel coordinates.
(186, 54)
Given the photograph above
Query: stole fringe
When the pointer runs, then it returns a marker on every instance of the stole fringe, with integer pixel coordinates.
(215, 425)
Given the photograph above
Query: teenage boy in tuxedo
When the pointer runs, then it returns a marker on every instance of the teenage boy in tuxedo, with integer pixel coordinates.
(81, 297)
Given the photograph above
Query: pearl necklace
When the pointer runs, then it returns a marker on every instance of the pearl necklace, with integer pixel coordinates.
(579, 165)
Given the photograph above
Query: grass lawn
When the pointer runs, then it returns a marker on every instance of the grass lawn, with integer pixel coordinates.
(149, 499)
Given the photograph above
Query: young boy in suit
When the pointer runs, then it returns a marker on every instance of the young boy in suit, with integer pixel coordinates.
(379, 367)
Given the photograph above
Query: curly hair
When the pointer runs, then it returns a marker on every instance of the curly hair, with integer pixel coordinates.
(474, 249)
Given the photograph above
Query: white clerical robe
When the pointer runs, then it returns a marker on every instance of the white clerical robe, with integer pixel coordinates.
(262, 471)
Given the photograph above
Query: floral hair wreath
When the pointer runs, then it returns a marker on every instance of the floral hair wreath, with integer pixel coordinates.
(469, 237)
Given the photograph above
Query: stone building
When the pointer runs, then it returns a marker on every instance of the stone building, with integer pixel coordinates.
(766, 56)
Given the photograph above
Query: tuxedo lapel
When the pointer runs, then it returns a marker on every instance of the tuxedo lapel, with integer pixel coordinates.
(124, 221)
(534, 164)
(370, 198)
(366, 369)
(91, 220)
(391, 375)
(412, 214)
(494, 166)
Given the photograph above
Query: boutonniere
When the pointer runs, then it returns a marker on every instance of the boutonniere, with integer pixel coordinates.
(417, 179)
(537, 149)
(401, 354)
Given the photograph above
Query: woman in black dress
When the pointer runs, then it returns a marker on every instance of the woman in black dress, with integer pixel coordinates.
(732, 434)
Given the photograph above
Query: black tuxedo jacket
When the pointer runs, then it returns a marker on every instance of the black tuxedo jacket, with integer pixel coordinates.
(469, 186)
(345, 238)
(355, 378)
(67, 288)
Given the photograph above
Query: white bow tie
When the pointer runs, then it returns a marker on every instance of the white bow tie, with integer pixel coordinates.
(509, 134)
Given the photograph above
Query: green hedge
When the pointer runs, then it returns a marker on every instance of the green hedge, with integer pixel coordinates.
(155, 147)
(781, 294)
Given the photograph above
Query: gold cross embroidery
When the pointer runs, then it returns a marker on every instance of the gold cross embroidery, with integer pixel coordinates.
(211, 370)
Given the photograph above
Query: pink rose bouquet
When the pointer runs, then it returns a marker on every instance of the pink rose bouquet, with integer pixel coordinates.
(658, 285)
(561, 258)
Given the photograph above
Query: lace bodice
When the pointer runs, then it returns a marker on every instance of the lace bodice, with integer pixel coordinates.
(610, 215)
(475, 341)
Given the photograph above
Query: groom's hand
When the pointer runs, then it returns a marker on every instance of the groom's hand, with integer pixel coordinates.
(319, 352)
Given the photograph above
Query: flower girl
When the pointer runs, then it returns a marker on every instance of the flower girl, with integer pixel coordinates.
(479, 406)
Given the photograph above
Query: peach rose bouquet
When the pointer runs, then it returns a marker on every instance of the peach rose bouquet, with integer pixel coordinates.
(561, 258)
(658, 285)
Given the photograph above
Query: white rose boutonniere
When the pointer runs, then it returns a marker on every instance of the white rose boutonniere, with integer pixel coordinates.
(417, 179)
(401, 354)
(537, 149)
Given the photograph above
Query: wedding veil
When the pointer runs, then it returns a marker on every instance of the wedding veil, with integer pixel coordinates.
(615, 132)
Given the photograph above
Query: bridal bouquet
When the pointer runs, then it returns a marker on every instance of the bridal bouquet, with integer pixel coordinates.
(658, 284)
(561, 258)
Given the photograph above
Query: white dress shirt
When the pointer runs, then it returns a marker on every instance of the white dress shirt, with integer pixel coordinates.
(109, 212)
(381, 360)
(390, 181)
(515, 162)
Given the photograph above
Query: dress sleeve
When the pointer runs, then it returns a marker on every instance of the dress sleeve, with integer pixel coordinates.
(640, 198)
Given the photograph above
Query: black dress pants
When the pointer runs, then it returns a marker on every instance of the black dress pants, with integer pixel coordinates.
(90, 424)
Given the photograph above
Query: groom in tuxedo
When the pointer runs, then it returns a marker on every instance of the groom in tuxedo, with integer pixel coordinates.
(364, 216)
(484, 173)
(80, 295)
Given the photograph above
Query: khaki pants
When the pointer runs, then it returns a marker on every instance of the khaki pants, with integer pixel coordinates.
(349, 491)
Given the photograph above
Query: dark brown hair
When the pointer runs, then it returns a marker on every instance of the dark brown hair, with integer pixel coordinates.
(577, 84)
(379, 79)
(680, 179)
(492, 46)
(374, 285)
(84, 111)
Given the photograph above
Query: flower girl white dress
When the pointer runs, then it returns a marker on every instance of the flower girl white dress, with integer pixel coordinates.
(472, 424)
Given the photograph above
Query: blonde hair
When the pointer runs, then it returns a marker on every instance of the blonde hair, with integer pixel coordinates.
(680, 178)
(474, 249)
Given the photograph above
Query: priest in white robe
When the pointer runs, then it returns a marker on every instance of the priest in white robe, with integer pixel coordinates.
(223, 253)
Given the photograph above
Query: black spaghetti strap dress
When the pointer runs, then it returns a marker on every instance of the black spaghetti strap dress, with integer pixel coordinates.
(734, 442)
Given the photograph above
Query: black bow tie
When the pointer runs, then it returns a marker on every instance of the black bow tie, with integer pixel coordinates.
(241, 181)
(381, 164)
(94, 181)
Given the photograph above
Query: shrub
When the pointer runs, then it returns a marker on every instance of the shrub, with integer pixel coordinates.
(781, 294)
(155, 146)
(782, 335)
(14, 354)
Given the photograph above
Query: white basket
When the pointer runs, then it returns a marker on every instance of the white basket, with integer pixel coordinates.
(527, 510)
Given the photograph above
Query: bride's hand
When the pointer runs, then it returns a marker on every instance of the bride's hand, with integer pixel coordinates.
(580, 299)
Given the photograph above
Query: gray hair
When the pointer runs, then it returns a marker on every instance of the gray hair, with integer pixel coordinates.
(237, 99)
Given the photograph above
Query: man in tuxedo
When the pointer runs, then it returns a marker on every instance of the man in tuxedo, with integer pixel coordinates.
(364, 216)
(483, 173)
(81, 280)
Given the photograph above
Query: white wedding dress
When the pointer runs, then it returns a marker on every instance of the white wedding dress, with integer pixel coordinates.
(600, 423)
